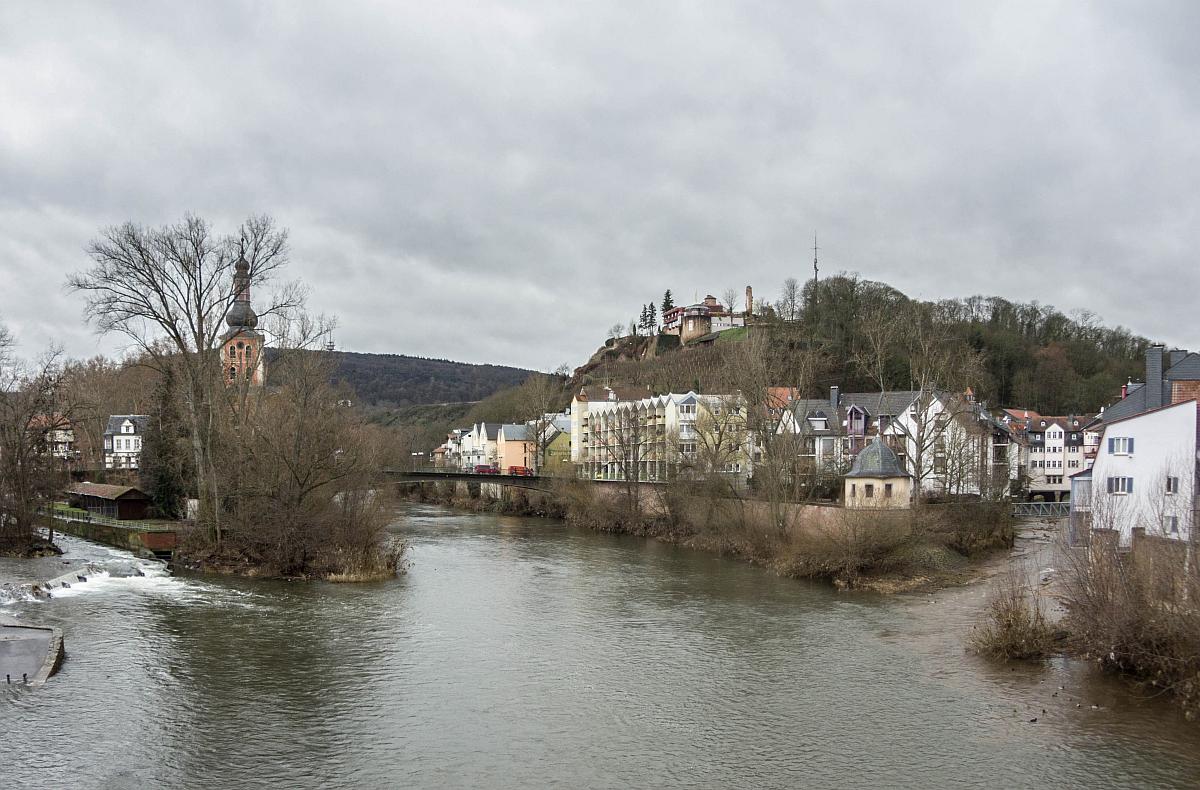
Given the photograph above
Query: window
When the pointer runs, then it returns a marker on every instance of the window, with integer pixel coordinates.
(1120, 445)
(1171, 524)
(1172, 485)
(887, 490)
(868, 491)
(853, 490)
(1120, 485)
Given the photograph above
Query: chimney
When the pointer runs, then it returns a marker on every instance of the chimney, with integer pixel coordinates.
(1125, 390)
(749, 302)
(834, 397)
(1154, 376)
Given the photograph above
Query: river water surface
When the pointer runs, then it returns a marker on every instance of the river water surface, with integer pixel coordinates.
(522, 653)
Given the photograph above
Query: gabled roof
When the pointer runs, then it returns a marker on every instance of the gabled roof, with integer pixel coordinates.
(115, 422)
(1191, 402)
(102, 491)
(490, 430)
(597, 393)
(1186, 369)
(516, 433)
(892, 402)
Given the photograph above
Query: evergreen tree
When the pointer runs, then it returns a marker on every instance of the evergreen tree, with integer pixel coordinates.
(651, 317)
(668, 302)
(165, 464)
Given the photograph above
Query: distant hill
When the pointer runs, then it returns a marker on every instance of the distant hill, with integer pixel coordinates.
(398, 380)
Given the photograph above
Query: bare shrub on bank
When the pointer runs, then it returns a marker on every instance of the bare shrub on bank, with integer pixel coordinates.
(849, 544)
(1014, 625)
(1138, 612)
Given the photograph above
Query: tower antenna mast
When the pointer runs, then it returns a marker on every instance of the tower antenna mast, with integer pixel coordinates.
(816, 271)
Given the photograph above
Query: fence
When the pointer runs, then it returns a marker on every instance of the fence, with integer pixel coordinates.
(1041, 509)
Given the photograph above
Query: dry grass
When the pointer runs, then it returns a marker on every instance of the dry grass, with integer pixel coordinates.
(1139, 613)
(1014, 627)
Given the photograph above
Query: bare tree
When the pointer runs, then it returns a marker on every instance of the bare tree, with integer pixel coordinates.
(729, 299)
(762, 366)
(621, 443)
(791, 300)
(939, 371)
(33, 409)
(541, 397)
(175, 284)
(302, 477)
(716, 451)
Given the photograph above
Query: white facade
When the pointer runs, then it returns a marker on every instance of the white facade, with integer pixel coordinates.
(1144, 475)
(480, 448)
(123, 442)
(649, 439)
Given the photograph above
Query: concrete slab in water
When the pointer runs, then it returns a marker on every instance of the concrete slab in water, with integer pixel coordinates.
(30, 651)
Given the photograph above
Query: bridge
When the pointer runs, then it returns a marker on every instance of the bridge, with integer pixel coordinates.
(1041, 509)
(532, 482)
(545, 483)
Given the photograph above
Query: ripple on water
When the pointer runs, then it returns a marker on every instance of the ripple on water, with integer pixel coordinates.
(520, 653)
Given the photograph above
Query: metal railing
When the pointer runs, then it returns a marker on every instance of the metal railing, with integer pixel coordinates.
(1041, 509)
(87, 517)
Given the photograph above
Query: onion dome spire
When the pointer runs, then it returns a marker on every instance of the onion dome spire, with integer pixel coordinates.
(241, 315)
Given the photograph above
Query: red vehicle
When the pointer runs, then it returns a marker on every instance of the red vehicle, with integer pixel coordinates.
(520, 471)
(484, 469)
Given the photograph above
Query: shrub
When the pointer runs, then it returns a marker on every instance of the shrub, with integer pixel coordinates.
(1139, 611)
(1014, 625)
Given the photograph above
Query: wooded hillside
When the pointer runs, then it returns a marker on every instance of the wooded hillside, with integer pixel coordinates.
(860, 334)
(398, 380)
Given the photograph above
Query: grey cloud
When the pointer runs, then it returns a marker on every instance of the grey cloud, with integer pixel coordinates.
(437, 163)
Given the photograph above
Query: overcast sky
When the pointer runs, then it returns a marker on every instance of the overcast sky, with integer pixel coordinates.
(502, 182)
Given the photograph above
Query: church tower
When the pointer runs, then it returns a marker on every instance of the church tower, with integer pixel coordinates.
(242, 343)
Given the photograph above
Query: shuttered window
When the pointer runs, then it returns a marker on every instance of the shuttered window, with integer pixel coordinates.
(1120, 485)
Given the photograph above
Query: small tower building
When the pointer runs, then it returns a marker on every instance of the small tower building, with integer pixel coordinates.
(877, 480)
(242, 343)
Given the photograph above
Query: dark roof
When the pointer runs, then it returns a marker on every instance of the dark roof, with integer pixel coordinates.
(876, 460)
(803, 408)
(1186, 369)
(490, 429)
(1190, 401)
(102, 491)
(114, 423)
(598, 393)
(892, 402)
(516, 433)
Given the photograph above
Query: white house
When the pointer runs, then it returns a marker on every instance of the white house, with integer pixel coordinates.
(959, 446)
(1144, 476)
(651, 438)
(589, 398)
(123, 441)
(1056, 449)
(480, 449)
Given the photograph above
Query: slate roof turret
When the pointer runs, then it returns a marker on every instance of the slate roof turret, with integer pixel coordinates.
(877, 460)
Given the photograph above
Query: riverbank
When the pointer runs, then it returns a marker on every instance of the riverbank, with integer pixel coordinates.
(883, 551)
(332, 564)
(28, 548)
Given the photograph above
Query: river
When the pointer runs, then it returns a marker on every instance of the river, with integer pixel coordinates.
(523, 653)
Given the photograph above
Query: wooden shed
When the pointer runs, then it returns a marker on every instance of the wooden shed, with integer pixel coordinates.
(120, 502)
